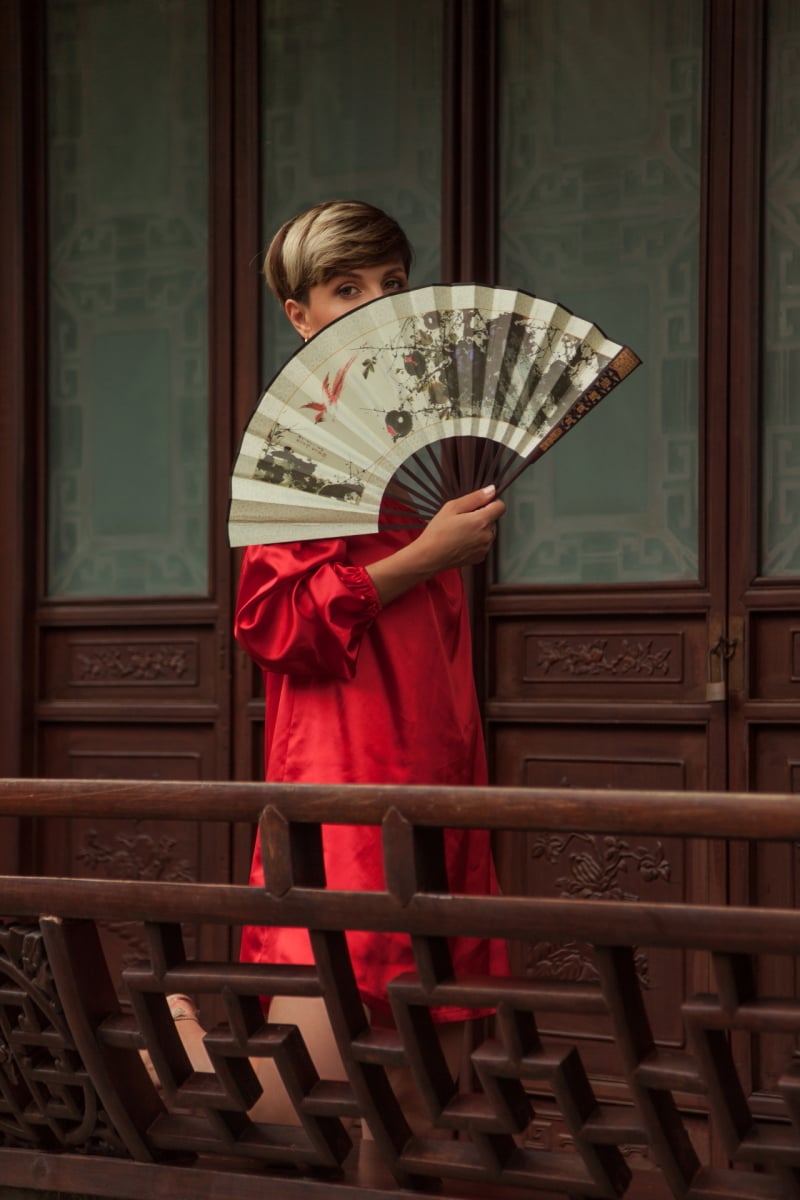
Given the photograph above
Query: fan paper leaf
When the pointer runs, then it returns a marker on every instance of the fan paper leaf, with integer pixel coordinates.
(409, 401)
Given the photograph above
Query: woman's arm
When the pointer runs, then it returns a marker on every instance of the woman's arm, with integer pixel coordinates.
(302, 608)
(460, 535)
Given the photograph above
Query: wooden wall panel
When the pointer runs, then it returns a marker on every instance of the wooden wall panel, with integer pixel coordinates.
(773, 658)
(767, 874)
(163, 665)
(774, 753)
(180, 851)
(592, 658)
(564, 751)
(103, 749)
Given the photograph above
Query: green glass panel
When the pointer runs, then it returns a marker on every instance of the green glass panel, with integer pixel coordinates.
(128, 298)
(351, 109)
(599, 209)
(780, 416)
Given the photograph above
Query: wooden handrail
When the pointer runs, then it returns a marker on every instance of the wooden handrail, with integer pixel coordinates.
(78, 1110)
(659, 813)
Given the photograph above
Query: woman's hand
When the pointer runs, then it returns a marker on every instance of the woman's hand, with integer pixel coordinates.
(462, 532)
(460, 535)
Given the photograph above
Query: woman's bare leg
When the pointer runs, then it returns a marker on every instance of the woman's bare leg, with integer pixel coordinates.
(371, 1168)
(451, 1037)
(311, 1018)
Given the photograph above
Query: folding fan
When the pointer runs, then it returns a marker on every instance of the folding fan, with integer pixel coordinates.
(409, 401)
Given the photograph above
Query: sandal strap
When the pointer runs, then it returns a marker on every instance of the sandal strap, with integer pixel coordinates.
(182, 1008)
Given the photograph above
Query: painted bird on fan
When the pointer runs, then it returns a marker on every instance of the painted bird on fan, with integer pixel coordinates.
(332, 392)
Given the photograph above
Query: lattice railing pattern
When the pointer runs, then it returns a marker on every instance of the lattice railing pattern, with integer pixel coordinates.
(72, 1076)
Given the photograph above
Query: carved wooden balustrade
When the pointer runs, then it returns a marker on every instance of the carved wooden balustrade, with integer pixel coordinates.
(79, 1112)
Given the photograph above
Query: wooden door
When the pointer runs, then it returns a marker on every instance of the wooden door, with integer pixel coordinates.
(606, 611)
(152, 335)
(128, 323)
(399, 151)
(599, 646)
(764, 591)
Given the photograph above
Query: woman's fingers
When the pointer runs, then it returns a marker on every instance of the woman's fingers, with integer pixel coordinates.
(462, 531)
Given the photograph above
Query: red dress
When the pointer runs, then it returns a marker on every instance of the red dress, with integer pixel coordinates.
(357, 693)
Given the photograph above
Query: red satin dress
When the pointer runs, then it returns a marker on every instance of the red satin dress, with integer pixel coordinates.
(357, 693)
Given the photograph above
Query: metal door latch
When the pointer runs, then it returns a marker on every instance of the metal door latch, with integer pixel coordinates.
(723, 650)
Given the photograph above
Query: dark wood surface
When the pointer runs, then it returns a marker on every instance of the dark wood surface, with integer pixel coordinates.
(79, 1112)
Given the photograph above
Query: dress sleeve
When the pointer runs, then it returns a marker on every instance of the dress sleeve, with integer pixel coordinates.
(302, 608)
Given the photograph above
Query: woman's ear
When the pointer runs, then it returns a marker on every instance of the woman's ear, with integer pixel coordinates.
(296, 313)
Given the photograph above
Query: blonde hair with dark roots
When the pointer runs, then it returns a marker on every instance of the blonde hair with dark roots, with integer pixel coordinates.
(329, 239)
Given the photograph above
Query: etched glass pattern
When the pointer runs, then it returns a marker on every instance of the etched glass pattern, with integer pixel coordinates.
(128, 298)
(599, 209)
(780, 441)
(351, 109)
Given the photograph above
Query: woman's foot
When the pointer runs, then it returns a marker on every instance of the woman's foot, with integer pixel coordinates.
(183, 1009)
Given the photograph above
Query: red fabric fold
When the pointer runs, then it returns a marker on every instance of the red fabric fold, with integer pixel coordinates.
(356, 693)
(302, 611)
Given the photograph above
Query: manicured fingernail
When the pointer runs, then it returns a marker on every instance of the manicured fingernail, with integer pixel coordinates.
(487, 491)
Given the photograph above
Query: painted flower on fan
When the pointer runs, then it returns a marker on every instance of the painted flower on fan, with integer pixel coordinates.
(414, 362)
(398, 423)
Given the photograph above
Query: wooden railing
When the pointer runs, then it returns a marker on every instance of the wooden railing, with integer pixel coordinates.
(80, 1113)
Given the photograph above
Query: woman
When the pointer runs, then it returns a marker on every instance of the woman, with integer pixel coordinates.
(364, 644)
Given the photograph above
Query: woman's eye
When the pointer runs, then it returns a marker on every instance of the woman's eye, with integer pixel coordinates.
(395, 285)
(347, 290)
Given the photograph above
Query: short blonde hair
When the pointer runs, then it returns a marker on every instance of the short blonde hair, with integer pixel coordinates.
(330, 238)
